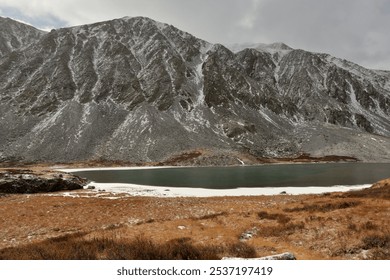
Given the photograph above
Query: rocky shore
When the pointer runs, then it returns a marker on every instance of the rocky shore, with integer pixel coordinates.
(29, 181)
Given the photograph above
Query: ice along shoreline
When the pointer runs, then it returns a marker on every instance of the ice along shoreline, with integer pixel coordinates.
(162, 191)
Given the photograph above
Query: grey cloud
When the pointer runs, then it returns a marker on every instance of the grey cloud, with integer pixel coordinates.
(346, 29)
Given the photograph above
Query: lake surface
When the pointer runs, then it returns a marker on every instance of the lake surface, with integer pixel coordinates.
(277, 175)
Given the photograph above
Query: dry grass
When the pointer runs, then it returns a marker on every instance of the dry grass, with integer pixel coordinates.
(281, 218)
(210, 216)
(379, 190)
(353, 225)
(282, 230)
(379, 244)
(74, 247)
(323, 207)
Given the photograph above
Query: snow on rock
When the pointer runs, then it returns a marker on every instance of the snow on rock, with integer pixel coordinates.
(104, 90)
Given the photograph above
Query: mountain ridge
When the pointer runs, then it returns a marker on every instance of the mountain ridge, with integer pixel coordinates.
(139, 90)
(21, 35)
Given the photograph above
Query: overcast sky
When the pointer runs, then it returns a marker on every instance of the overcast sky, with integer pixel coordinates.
(357, 30)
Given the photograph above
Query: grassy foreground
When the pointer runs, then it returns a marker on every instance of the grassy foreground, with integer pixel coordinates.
(93, 225)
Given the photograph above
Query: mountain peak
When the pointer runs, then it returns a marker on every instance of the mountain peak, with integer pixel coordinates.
(15, 22)
(271, 48)
(15, 35)
(143, 20)
(116, 89)
(279, 46)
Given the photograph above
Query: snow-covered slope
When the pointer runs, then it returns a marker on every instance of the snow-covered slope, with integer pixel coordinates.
(139, 90)
(15, 35)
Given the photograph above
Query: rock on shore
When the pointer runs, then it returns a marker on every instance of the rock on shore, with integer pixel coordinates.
(28, 181)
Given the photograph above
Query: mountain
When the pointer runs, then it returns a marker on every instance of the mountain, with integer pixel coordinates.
(138, 90)
(15, 35)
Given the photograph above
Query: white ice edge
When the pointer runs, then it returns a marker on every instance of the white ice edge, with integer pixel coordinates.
(161, 191)
(144, 190)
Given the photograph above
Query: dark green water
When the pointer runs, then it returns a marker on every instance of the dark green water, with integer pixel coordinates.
(286, 175)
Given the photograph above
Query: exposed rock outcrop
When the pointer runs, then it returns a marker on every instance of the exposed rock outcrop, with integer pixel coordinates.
(26, 181)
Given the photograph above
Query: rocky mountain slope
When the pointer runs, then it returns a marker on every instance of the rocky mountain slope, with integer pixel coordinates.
(15, 35)
(138, 90)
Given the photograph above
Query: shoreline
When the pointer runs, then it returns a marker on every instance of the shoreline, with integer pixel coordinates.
(334, 225)
(163, 191)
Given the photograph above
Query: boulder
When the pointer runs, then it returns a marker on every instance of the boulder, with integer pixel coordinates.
(283, 256)
(38, 183)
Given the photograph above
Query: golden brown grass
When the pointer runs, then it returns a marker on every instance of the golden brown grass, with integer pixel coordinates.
(323, 207)
(352, 225)
(74, 247)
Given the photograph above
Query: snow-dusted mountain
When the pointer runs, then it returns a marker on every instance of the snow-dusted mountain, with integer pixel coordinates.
(15, 35)
(139, 90)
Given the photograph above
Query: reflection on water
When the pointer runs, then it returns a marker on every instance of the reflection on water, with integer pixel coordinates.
(285, 175)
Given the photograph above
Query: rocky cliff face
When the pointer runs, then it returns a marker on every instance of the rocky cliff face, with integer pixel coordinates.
(139, 90)
(15, 35)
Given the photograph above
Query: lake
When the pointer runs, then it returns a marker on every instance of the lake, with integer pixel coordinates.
(275, 175)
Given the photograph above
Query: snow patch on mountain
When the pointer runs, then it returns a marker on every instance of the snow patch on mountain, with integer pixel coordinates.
(277, 50)
(135, 89)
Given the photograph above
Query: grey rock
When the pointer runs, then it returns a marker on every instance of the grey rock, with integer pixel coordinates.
(134, 89)
(30, 183)
(283, 256)
(15, 35)
(249, 234)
